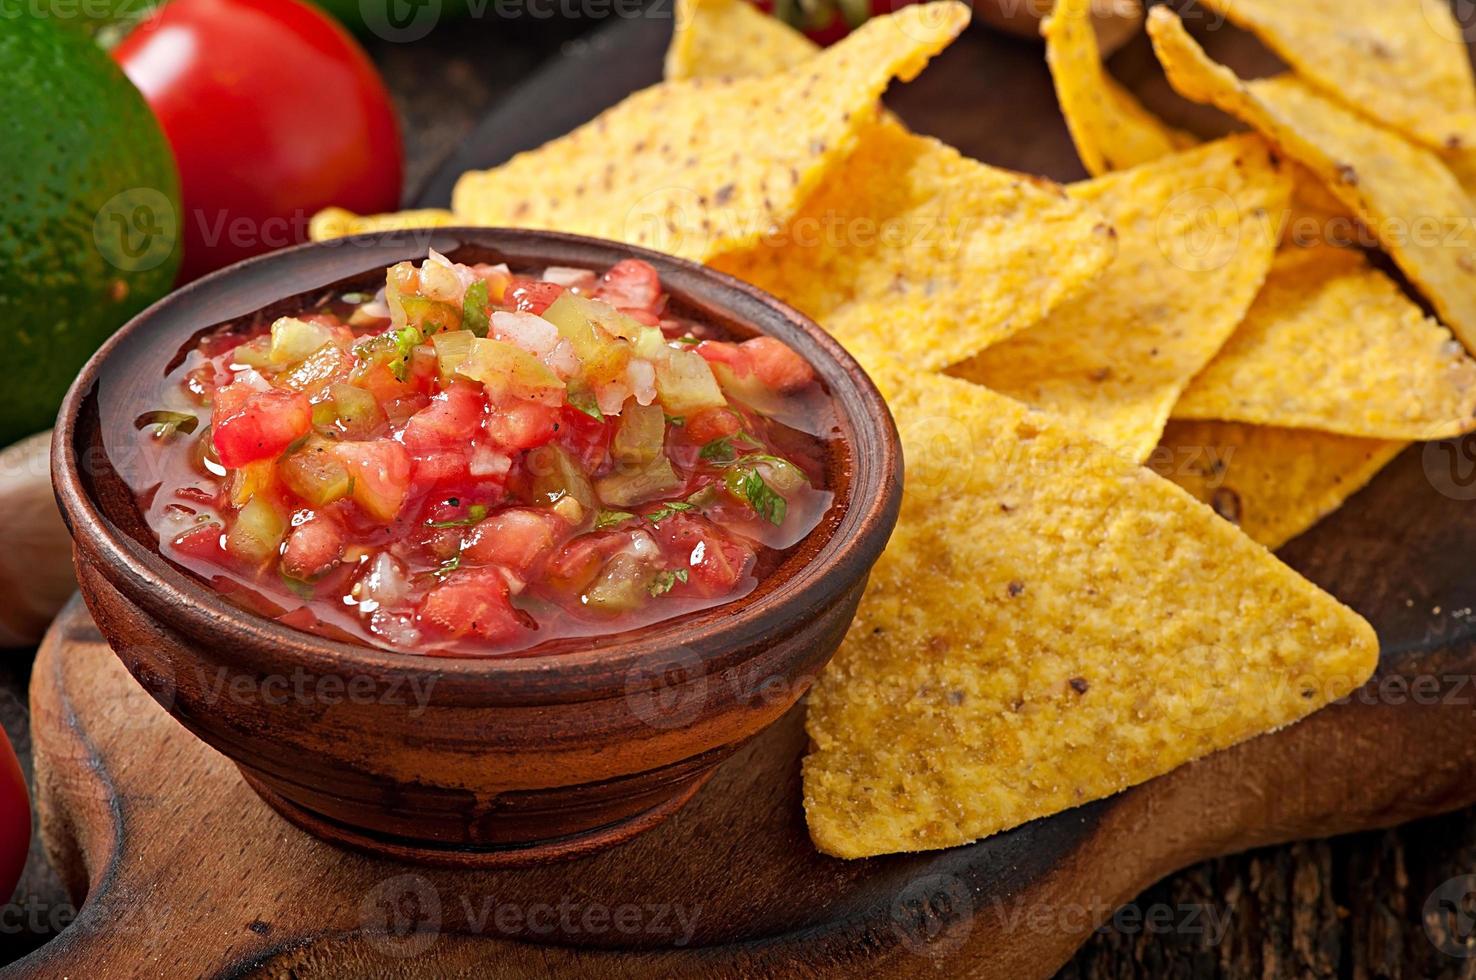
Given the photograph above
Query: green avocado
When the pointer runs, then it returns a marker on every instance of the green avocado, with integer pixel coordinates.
(89, 210)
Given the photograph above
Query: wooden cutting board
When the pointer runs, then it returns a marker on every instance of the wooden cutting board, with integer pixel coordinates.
(187, 873)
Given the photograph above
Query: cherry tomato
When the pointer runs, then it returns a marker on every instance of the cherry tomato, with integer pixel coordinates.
(15, 819)
(273, 112)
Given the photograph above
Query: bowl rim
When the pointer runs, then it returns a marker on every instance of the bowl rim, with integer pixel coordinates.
(188, 605)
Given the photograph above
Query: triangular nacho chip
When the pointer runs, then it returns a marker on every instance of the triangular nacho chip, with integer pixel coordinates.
(1196, 233)
(1333, 344)
(1049, 625)
(717, 38)
(705, 166)
(1402, 192)
(1273, 483)
(1403, 63)
(910, 248)
(1111, 129)
(338, 223)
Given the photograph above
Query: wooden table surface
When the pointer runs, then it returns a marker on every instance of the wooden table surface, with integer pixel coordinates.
(1346, 907)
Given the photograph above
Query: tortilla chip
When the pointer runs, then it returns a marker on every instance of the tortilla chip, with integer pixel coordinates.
(700, 167)
(910, 248)
(1050, 624)
(1196, 233)
(339, 223)
(1402, 192)
(1111, 129)
(716, 38)
(1402, 63)
(1333, 344)
(1273, 483)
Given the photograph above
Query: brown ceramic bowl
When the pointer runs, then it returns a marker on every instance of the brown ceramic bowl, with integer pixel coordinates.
(554, 753)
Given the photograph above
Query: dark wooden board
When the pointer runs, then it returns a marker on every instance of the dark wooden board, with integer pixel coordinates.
(186, 873)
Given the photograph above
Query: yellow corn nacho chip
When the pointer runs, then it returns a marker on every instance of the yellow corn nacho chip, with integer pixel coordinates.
(934, 263)
(1402, 192)
(700, 167)
(1274, 483)
(714, 38)
(338, 223)
(1196, 233)
(1400, 62)
(1332, 344)
(1111, 129)
(1049, 625)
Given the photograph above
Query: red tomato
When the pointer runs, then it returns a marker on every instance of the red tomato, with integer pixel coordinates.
(516, 539)
(533, 295)
(15, 819)
(450, 420)
(773, 362)
(273, 112)
(632, 286)
(712, 423)
(584, 437)
(313, 547)
(473, 603)
(714, 562)
(519, 425)
(248, 425)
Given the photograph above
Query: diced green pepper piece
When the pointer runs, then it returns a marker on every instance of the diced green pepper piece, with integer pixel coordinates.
(640, 435)
(632, 487)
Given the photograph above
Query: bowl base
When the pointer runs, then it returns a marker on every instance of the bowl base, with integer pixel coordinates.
(449, 855)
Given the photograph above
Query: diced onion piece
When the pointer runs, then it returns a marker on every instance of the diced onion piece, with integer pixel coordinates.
(385, 581)
(486, 461)
(532, 333)
(294, 339)
(642, 376)
(569, 277)
(439, 281)
(400, 281)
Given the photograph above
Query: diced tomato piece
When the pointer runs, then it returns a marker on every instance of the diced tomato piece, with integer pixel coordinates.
(533, 295)
(576, 564)
(629, 285)
(712, 423)
(440, 469)
(202, 543)
(313, 547)
(516, 539)
(471, 603)
(248, 425)
(517, 425)
(714, 562)
(641, 316)
(381, 472)
(584, 437)
(451, 419)
(776, 364)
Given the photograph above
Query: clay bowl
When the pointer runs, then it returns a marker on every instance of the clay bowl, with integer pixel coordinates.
(471, 762)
